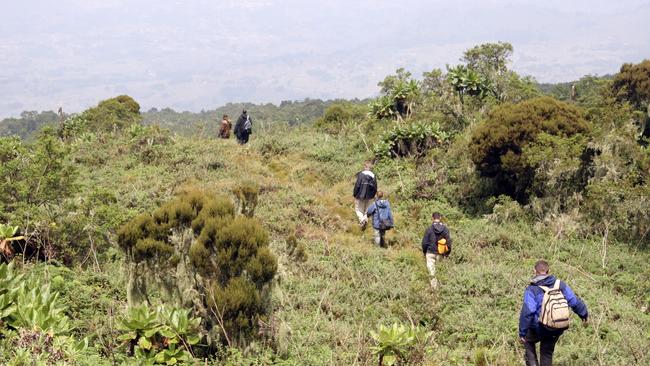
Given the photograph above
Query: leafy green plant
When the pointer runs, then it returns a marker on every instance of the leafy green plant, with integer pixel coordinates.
(467, 81)
(394, 343)
(33, 319)
(161, 336)
(412, 139)
(7, 235)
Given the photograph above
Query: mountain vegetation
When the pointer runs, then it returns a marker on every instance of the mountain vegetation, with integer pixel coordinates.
(141, 238)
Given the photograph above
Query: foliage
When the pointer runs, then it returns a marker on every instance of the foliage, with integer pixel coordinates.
(28, 124)
(412, 139)
(220, 264)
(115, 113)
(466, 81)
(395, 342)
(499, 145)
(632, 84)
(34, 321)
(161, 336)
(246, 194)
(400, 92)
(338, 116)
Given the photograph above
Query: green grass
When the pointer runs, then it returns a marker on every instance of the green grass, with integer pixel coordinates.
(326, 306)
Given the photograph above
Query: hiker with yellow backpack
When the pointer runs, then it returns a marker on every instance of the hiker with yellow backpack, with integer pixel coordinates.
(545, 314)
(436, 244)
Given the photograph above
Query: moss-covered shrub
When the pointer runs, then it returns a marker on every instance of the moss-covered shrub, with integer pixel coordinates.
(193, 251)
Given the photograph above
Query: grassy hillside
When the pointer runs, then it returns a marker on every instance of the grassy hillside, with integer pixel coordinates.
(129, 243)
(325, 306)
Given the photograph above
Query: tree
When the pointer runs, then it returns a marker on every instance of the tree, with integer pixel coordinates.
(489, 58)
(498, 146)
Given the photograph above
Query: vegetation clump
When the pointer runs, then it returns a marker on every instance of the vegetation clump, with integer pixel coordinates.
(197, 254)
(499, 145)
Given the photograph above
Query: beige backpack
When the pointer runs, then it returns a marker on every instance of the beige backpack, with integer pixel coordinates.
(555, 308)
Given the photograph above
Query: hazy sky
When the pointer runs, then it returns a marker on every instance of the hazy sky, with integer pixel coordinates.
(199, 54)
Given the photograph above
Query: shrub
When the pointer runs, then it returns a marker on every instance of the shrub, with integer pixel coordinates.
(337, 116)
(246, 194)
(413, 139)
(632, 84)
(498, 146)
(114, 113)
(210, 261)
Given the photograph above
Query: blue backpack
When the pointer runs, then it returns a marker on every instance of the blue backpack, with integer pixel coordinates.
(385, 218)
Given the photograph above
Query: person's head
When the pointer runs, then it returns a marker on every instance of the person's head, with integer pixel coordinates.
(541, 267)
(225, 116)
(380, 195)
(244, 112)
(367, 164)
(436, 216)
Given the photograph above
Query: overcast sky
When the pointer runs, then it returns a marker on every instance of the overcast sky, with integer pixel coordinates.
(200, 54)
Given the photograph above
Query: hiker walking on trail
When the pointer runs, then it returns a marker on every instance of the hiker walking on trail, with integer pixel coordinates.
(224, 128)
(365, 190)
(545, 314)
(436, 244)
(382, 218)
(243, 127)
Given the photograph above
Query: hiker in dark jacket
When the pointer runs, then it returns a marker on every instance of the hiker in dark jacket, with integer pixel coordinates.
(531, 331)
(243, 127)
(365, 190)
(430, 248)
(378, 209)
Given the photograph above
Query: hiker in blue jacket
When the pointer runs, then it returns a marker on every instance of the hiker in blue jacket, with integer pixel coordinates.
(382, 218)
(531, 331)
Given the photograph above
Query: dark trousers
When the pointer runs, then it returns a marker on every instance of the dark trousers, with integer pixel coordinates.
(243, 136)
(546, 348)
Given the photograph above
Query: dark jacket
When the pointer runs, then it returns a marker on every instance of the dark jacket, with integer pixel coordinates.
(366, 186)
(240, 132)
(373, 210)
(435, 232)
(532, 305)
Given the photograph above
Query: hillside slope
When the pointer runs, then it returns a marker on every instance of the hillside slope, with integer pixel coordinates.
(325, 306)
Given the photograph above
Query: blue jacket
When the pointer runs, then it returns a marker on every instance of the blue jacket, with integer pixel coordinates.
(374, 209)
(533, 295)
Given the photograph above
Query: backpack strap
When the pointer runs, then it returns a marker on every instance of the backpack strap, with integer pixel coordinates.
(544, 288)
(556, 286)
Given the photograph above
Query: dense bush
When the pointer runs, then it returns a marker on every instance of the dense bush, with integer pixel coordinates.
(195, 253)
(632, 84)
(337, 116)
(499, 145)
(115, 113)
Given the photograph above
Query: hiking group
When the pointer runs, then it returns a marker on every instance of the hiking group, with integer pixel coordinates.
(547, 301)
(243, 127)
